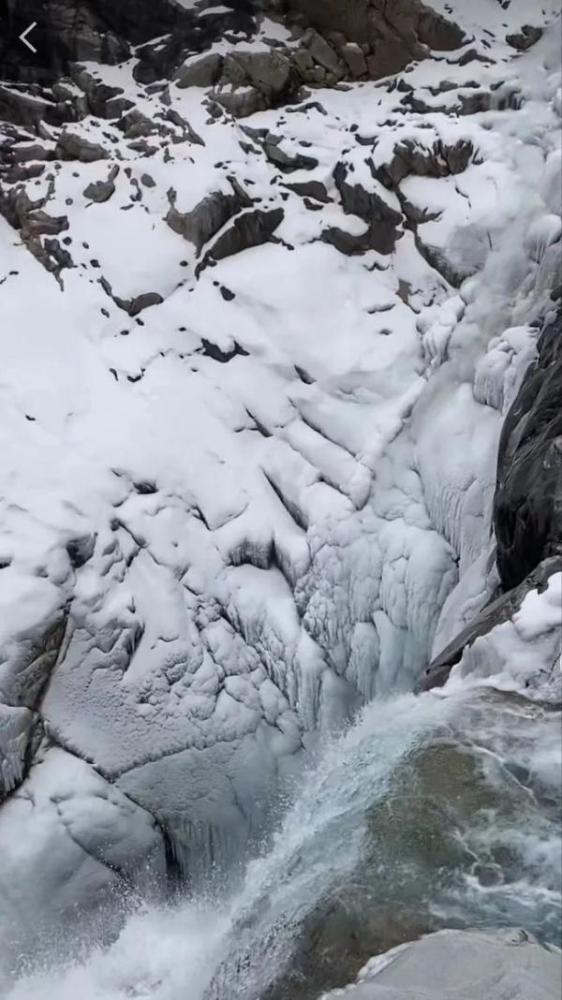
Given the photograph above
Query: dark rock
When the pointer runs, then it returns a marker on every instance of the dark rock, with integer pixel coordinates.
(208, 216)
(524, 39)
(393, 32)
(382, 220)
(189, 133)
(143, 301)
(323, 53)
(212, 351)
(27, 109)
(250, 229)
(354, 60)
(309, 189)
(438, 161)
(80, 550)
(100, 191)
(287, 162)
(528, 499)
(103, 101)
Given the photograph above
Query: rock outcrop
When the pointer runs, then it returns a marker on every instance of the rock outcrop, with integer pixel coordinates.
(528, 502)
(360, 38)
(527, 510)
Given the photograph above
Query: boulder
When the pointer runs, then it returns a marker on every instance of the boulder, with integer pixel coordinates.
(100, 191)
(71, 146)
(209, 215)
(524, 39)
(354, 59)
(287, 162)
(201, 72)
(462, 965)
(269, 72)
(250, 229)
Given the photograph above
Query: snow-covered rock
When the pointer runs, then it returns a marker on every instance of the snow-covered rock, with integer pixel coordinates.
(250, 408)
(69, 844)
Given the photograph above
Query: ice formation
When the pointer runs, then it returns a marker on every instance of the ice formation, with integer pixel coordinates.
(248, 436)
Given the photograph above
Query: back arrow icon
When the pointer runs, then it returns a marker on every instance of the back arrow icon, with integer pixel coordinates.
(23, 37)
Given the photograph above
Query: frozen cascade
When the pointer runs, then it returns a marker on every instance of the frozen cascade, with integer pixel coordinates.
(252, 500)
(211, 948)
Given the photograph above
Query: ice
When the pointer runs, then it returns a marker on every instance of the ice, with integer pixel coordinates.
(283, 471)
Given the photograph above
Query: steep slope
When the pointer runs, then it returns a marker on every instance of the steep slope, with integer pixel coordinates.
(261, 328)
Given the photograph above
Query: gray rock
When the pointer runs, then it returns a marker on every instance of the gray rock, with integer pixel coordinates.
(524, 39)
(309, 189)
(287, 162)
(209, 215)
(39, 223)
(382, 220)
(202, 72)
(393, 33)
(23, 152)
(26, 109)
(269, 72)
(100, 191)
(71, 146)
(143, 301)
(463, 965)
(103, 100)
(355, 59)
(242, 102)
(251, 229)
(323, 53)
(439, 161)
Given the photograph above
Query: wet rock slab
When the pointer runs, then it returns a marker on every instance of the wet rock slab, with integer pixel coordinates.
(462, 965)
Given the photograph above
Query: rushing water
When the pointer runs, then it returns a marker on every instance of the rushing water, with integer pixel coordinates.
(441, 809)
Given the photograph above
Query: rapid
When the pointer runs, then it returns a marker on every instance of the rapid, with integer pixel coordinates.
(441, 809)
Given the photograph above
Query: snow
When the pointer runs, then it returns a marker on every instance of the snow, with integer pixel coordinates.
(69, 838)
(279, 536)
(523, 654)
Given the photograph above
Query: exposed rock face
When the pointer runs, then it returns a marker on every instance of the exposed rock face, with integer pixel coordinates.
(462, 965)
(389, 34)
(528, 503)
(527, 510)
(355, 39)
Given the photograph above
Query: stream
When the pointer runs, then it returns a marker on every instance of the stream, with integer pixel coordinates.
(441, 809)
